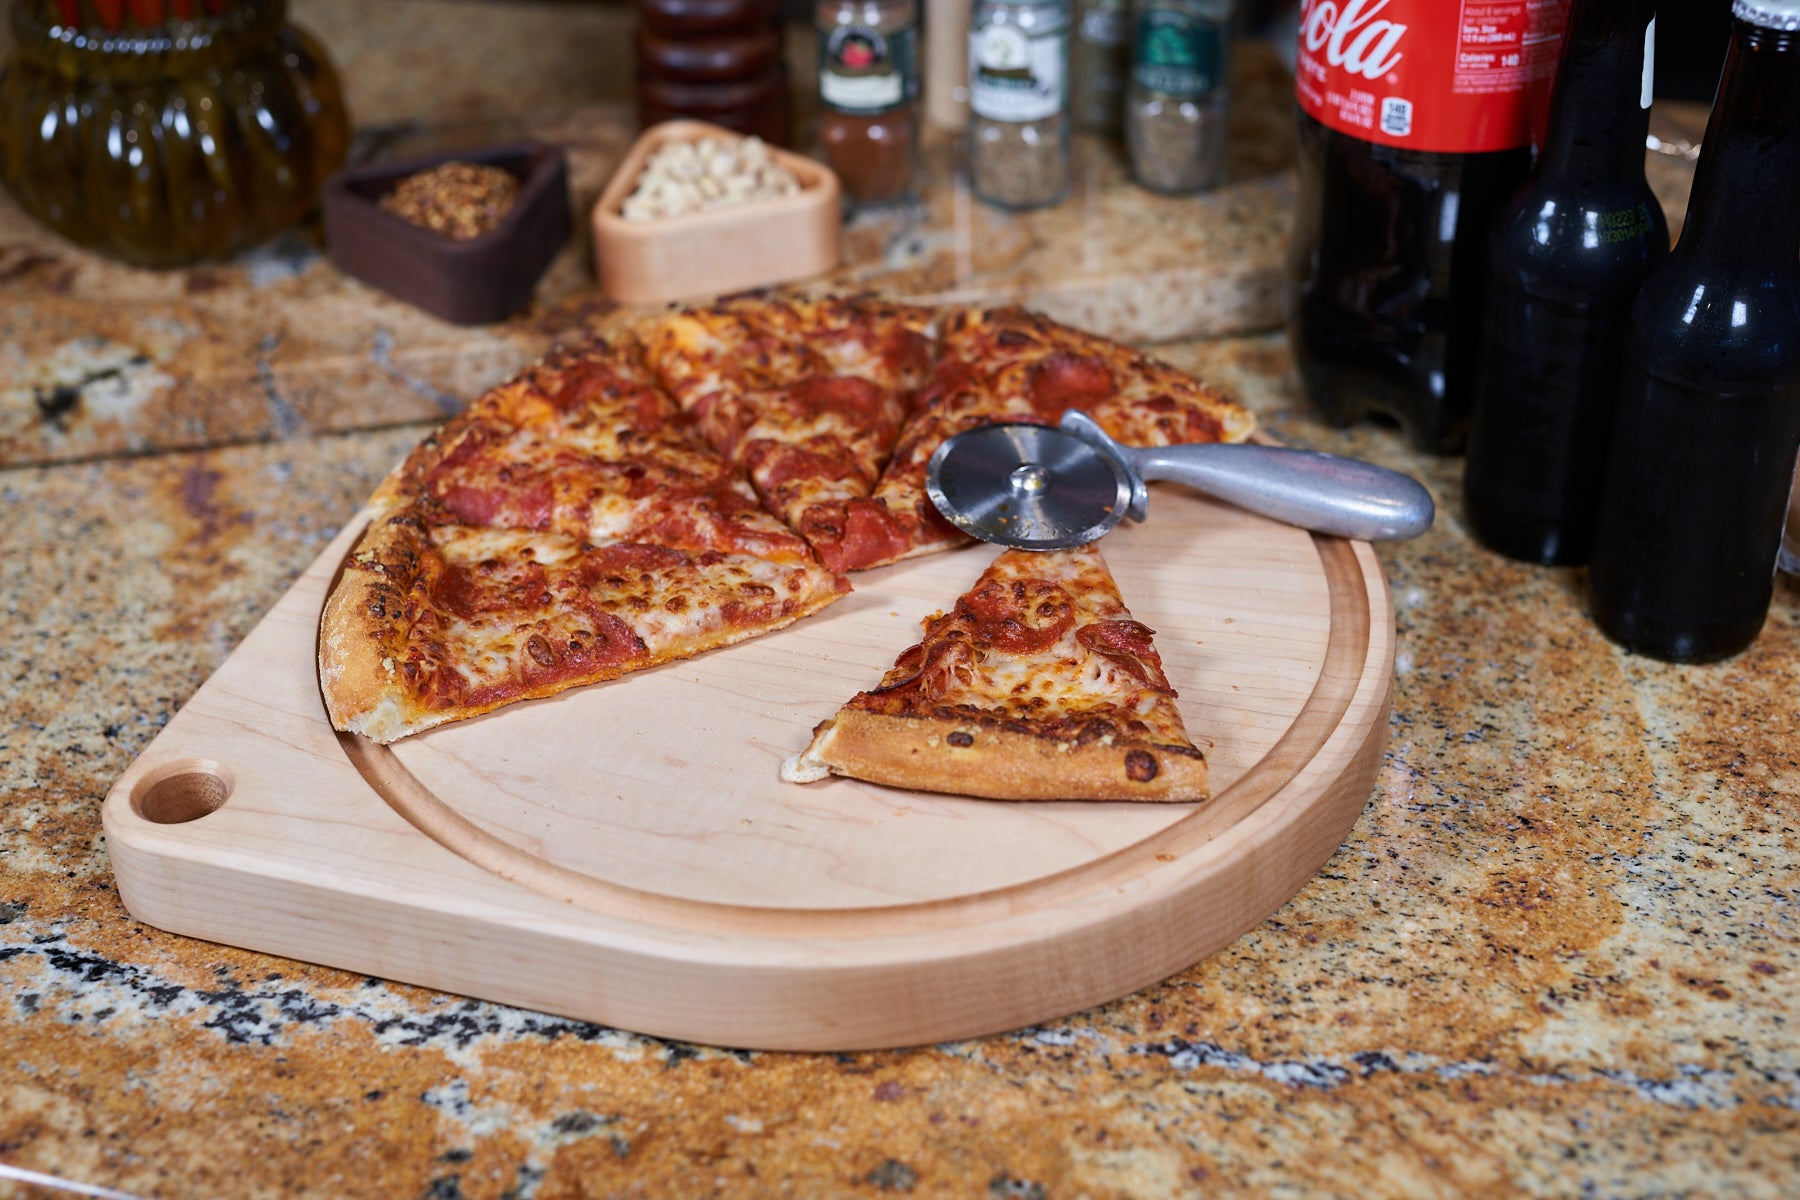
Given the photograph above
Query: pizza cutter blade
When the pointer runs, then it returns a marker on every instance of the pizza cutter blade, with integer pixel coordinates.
(1038, 487)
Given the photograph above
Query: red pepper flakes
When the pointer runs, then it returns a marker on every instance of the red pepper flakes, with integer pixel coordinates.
(460, 200)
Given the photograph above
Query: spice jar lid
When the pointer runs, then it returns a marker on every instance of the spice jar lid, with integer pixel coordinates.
(1770, 14)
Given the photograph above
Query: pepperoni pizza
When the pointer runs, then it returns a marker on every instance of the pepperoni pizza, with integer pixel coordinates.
(711, 475)
(1037, 685)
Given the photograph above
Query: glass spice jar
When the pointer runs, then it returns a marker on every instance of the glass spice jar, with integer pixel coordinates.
(176, 134)
(868, 95)
(1101, 50)
(1177, 100)
(1019, 102)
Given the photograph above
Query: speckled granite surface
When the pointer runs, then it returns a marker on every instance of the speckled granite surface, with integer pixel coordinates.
(97, 359)
(1557, 955)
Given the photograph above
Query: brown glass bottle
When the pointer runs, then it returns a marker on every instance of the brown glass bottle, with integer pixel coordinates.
(713, 60)
(1708, 420)
(169, 143)
(1565, 262)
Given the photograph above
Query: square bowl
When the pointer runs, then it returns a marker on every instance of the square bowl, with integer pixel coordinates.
(472, 281)
(730, 249)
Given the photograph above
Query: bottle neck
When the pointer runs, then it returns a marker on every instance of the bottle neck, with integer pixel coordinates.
(1600, 105)
(1748, 176)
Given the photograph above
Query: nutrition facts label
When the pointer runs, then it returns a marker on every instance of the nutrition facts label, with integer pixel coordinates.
(1446, 76)
(1503, 45)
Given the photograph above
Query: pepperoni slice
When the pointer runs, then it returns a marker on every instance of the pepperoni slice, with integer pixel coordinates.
(951, 377)
(949, 669)
(1018, 618)
(583, 642)
(475, 438)
(854, 534)
(501, 505)
(722, 416)
(937, 667)
(589, 382)
(719, 519)
(775, 464)
(849, 395)
(469, 592)
(1130, 645)
(627, 558)
(590, 641)
(1063, 381)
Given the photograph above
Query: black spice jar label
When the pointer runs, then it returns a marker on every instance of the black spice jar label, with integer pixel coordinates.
(1177, 52)
(862, 70)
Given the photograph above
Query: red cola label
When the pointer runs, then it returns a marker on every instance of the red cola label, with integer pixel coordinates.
(1446, 76)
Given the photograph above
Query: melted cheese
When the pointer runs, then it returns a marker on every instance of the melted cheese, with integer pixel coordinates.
(1067, 674)
(1065, 679)
(674, 609)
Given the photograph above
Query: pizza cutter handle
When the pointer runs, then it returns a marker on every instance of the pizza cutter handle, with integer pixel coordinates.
(1321, 492)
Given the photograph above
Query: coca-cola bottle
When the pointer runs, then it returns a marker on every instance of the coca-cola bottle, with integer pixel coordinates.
(1416, 120)
(1569, 253)
(1708, 420)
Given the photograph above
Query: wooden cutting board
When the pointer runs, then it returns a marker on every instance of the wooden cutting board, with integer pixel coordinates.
(628, 854)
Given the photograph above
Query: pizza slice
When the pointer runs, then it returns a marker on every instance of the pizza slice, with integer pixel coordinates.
(806, 395)
(1009, 364)
(1037, 685)
(566, 528)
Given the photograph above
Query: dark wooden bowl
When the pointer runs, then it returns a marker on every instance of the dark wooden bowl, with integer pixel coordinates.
(473, 281)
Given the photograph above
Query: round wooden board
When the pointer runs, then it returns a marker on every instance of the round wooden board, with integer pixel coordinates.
(667, 809)
(627, 853)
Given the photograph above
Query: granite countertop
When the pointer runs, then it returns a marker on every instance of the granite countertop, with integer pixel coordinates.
(1557, 954)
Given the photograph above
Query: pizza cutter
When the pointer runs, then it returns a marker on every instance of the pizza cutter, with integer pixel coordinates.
(1041, 487)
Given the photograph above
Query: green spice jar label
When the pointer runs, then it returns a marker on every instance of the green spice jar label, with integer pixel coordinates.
(1178, 53)
(1015, 77)
(863, 70)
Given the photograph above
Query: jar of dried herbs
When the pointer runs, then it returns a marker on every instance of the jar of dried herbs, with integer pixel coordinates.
(1019, 102)
(1177, 100)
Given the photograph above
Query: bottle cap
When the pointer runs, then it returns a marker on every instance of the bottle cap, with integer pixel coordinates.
(1770, 14)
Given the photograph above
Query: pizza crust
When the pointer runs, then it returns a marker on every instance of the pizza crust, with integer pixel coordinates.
(926, 753)
(357, 675)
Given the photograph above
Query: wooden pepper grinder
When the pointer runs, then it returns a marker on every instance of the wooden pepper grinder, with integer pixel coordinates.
(713, 60)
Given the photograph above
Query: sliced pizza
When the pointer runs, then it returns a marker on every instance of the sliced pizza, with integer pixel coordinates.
(566, 528)
(1008, 364)
(805, 395)
(1037, 685)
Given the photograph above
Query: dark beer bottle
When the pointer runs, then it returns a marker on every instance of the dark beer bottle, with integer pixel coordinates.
(1565, 262)
(1708, 420)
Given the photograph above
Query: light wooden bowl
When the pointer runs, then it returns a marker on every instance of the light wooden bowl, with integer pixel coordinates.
(750, 245)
